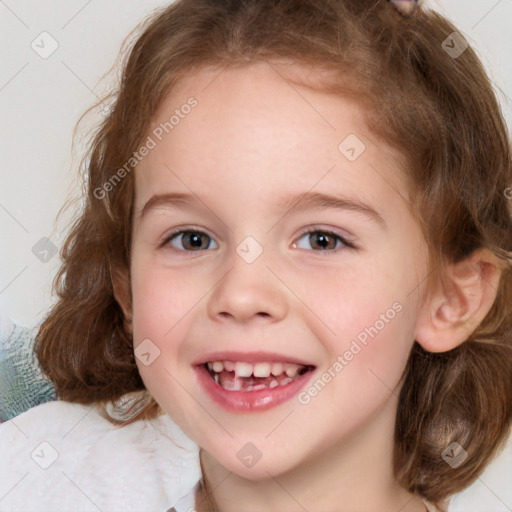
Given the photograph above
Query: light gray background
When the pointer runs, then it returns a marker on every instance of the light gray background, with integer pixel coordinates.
(41, 100)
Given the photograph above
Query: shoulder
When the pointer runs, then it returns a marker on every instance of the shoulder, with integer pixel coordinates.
(64, 456)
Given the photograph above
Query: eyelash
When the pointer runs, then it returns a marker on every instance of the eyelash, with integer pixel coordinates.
(326, 252)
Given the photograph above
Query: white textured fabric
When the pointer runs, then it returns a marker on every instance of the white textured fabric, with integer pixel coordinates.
(92, 465)
(63, 457)
(187, 502)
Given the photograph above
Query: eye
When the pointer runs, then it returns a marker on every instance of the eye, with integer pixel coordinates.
(190, 240)
(320, 240)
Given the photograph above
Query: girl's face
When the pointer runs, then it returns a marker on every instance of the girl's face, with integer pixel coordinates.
(272, 234)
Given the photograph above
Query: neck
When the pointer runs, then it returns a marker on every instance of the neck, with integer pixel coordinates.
(354, 476)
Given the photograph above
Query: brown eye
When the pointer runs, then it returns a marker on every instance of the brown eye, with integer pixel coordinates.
(191, 241)
(321, 241)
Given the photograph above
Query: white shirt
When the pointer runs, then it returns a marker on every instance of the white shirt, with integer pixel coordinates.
(64, 457)
(187, 502)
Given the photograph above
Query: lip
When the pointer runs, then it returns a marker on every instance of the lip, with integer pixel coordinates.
(249, 401)
(250, 357)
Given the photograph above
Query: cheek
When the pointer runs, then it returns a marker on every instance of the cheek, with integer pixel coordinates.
(364, 317)
(366, 360)
(349, 299)
(161, 299)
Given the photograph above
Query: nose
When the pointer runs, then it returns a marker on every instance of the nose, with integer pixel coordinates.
(248, 292)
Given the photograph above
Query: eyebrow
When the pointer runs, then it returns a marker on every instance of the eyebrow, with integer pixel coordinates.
(317, 200)
(305, 200)
(168, 200)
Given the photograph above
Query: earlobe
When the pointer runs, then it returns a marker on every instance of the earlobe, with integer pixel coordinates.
(459, 304)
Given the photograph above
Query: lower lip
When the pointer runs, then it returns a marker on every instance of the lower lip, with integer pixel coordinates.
(248, 401)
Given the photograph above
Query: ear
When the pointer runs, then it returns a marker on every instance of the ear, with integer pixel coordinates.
(457, 306)
(122, 293)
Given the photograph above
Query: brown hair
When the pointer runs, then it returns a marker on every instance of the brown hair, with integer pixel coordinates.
(440, 112)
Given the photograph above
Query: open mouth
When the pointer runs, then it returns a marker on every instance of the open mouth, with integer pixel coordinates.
(244, 376)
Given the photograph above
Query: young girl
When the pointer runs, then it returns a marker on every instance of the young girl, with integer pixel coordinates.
(296, 243)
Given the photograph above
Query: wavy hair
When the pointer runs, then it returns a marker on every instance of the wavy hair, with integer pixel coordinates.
(439, 111)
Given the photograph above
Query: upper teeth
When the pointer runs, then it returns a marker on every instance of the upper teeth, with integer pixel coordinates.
(243, 369)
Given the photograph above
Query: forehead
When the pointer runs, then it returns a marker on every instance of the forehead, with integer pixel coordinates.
(259, 127)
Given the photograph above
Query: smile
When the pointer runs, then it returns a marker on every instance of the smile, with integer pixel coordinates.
(251, 382)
